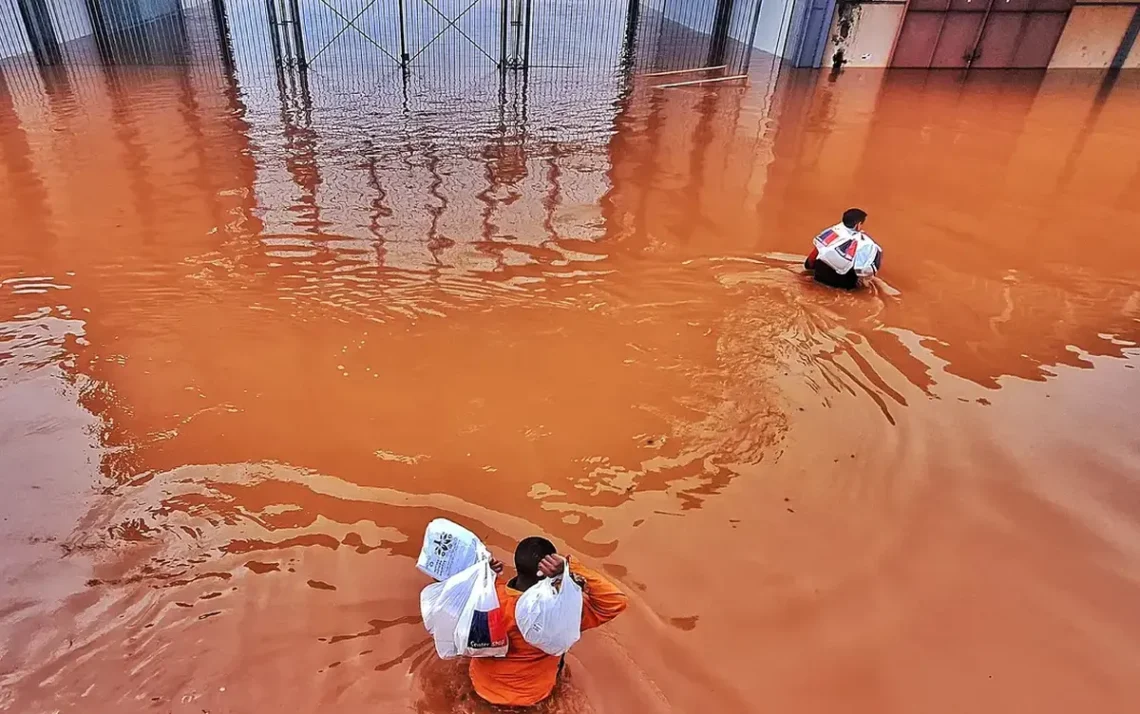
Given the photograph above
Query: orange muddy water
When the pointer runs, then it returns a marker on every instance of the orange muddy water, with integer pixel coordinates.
(251, 341)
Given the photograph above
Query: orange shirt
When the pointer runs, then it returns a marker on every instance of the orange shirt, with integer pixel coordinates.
(527, 675)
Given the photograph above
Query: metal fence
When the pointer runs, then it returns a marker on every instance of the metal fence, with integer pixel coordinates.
(440, 41)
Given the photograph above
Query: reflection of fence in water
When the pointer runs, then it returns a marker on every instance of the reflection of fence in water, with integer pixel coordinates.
(338, 101)
(478, 169)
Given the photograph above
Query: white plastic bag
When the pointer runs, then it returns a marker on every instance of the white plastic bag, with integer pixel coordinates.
(868, 257)
(448, 549)
(463, 614)
(843, 249)
(550, 617)
(482, 629)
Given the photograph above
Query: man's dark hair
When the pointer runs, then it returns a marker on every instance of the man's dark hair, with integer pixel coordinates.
(530, 553)
(853, 217)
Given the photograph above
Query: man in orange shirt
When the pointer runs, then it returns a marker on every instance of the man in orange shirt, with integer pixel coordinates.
(527, 675)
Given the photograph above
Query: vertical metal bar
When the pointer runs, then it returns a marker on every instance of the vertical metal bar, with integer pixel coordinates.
(719, 35)
(403, 39)
(660, 31)
(145, 39)
(298, 36)
(124, 39)
(751, 38)
(187, 48)
(526, 41)
(404, 86)
(503, 35)
(59, 29)
(13, 32)
(223, 26)
(41, 35)
(516, 26)
(286, 36)
(629, 42)
(274, 37)
(115, 37)
(160, 37)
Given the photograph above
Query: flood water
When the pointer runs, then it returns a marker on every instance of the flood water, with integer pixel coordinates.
(252, 340)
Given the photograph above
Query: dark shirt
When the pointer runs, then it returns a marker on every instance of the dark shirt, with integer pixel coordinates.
(826, 275)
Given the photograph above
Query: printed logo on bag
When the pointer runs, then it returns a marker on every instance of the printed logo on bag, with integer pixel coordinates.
(827, 237)
(488, 630)
(443, 545)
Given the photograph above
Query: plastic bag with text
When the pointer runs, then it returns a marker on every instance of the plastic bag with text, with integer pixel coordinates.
(549, 615)
(463, 614)
(448, 548)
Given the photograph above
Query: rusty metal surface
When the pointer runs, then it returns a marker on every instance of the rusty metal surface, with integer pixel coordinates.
(959, 33)
(982, 34)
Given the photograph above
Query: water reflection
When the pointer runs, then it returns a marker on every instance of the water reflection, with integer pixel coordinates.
(315, 318)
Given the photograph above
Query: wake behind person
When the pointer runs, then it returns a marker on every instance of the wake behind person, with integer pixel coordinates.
(843, 254)
(527, 675)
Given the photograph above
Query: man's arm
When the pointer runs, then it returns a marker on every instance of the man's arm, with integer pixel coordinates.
(810, 262)
(602, 601)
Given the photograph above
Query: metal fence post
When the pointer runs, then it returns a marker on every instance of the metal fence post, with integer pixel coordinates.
(629, 42)
(41, 34)
(516, 33)
(274, 28)
(751, 38)
(719, 41)
(283, 20)
(298, 36)
(403, 38)
(503, 36)
(187, 48)
(223, 24)
(526, 40)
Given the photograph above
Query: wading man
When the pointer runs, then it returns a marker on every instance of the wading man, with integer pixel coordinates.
(843, 254)
(527, 675)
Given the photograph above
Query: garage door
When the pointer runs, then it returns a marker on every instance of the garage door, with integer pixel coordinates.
(980, 33)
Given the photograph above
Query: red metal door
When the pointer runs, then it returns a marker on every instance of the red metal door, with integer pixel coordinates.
(980, 33)
(1042, 32)
(1010, 6)
(958, 38)
(919, 35)
(1001, 38)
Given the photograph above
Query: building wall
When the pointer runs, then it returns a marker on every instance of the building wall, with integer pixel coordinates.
(772, 27)
(1093, 35)
(864, 32)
